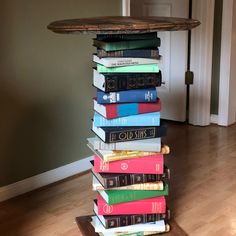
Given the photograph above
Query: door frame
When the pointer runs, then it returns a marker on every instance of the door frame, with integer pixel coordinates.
(201, 59)
(227, 84)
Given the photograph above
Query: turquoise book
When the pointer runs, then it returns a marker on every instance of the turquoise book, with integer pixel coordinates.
(148, 68)
(146, 119)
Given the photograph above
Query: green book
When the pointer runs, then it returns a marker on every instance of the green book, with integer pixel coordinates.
(148, 68)
(127, 44)
(118, 196)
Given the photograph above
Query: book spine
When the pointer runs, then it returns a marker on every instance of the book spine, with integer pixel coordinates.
(139, 95)
(131, 179)
(115, 197)
(148, 68)
(143, 53)
(146, 165)
(117, 82)
(119, 110)
(124, 220)
(126, 36)
(130, 145)
(154, 205)
(123, 61)
(135, 134)
(144, 186)
(127, 154)
(146, 119)
(132, 44)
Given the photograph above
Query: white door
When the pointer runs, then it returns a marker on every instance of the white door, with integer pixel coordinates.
(174, 48)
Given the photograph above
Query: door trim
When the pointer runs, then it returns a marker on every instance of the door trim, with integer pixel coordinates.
(201, 59)
(125, 7)
(226, 114)
(201, 62)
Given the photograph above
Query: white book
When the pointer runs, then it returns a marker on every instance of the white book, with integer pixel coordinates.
(115, 155)
(98, 80)
(97, 186)
(152, 226)
(123, 61)
(149, 145)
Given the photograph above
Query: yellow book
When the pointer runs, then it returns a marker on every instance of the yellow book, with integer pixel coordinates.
(115, 155)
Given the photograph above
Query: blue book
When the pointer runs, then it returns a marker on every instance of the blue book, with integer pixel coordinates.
(133, 95)
(147, 119)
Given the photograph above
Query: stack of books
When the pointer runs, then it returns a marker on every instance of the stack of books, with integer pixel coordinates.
(128, 167)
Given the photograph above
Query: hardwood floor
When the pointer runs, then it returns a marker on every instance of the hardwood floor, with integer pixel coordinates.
(202, 195)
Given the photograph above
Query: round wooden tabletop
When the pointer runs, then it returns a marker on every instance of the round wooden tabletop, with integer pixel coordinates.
(122, 24)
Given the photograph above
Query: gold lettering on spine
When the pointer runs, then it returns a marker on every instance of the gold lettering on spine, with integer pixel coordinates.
(104, 166)
(156, 207)
(140, 134)
(112, 137)
(107, 209)
(132, 134)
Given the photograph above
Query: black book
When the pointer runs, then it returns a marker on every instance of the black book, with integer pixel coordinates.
(112, 180)
(112, 82)
(107, 37)
(143, 53)
(129, 133)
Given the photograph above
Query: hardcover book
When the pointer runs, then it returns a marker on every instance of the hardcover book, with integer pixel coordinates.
(146, 165)
(144, 53)
(115, 110)
(146, 119)
(150, 226)
(114, 221)
(146, 145)
(112, 180)
(115, 155)
(123, 134)
(155, 205)
(148, 68)
(119, 37)
(114, 197)
(134, 95)
(159, 185)
(112, 82)
(114, 45)
(123, 61)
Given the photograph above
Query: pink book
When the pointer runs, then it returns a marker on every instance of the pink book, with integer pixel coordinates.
(155, 205)
(153, 164)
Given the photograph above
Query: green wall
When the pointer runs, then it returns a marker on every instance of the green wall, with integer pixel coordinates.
(45, 86)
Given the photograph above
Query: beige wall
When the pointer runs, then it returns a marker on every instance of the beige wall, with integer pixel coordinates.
(45, 86)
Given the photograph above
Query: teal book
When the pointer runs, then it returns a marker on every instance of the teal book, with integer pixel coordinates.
(119, 196)
(148, 68)
(127, 44)
(118, 37)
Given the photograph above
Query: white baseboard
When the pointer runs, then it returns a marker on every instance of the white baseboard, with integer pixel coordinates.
(214, 119)
(37, 181)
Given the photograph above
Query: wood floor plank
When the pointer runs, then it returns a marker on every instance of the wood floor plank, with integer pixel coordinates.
(202, 190)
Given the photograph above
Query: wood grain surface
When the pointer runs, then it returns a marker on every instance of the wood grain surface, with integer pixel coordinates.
(122, 24)
(202, 190)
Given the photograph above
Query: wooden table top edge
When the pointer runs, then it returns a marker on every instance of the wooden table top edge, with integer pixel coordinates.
(121, 24)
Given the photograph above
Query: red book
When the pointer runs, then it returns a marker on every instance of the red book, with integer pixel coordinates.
(153, 164)
(155, 205)
(111, 111)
